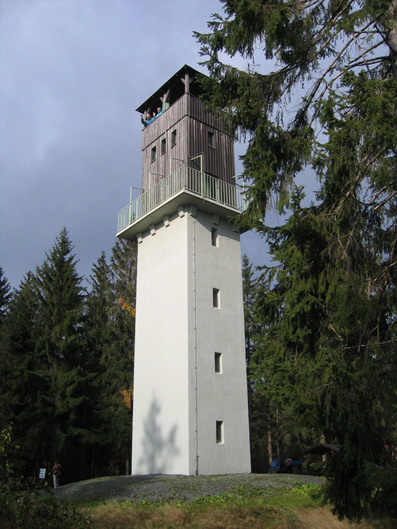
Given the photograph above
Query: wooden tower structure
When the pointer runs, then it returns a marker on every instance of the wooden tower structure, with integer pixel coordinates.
(190, 410)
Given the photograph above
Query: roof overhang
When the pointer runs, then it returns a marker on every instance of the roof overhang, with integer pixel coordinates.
(172, 81)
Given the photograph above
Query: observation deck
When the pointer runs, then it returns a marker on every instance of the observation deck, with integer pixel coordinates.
(184, 186)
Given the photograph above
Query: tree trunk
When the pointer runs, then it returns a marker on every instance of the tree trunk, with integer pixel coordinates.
(269, 441)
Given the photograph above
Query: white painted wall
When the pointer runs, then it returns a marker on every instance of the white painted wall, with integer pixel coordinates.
(221, 397)
(160, 407)
(176, 389)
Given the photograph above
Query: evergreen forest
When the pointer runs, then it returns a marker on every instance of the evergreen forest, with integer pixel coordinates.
(66, 364)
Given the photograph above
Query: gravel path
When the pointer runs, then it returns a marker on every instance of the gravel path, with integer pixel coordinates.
(185, 488)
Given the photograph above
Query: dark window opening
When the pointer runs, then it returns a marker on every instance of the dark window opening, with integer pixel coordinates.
(214, 237)
(218, 362)
(216, 302)
(219, 432)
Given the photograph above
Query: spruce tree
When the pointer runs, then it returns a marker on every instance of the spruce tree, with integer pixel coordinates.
(23, 384)
(123, 265)
(62, 346)
(4, 295)
(327, 307)
(110, 334)
(317, 46)
(326, 353)
(109, 369)
(100, 300)
(249, 288)
(61, 310)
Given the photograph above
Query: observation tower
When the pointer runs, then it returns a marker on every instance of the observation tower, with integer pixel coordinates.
(190, 409)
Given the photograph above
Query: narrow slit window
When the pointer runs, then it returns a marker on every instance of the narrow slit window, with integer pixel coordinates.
(153, 154)
(216, 301)
(211, 140)
(218, 363)
(219, 432)
(163, 146)
(214, 237)
(173, 138)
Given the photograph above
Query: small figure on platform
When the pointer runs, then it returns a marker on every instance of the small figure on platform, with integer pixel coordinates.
(146, 120)
(149, 118)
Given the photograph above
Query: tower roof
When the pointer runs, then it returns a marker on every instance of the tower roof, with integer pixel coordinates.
(175, 86)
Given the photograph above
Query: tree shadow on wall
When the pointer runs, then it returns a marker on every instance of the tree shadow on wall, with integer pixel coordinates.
(159, 449)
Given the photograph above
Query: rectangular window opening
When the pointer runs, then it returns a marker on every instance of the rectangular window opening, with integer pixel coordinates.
(163, 146)
(153, 154)
(218, 363)
(211, 140)
(214, 236)
(219, 432)
(173, 138)
(216, 302)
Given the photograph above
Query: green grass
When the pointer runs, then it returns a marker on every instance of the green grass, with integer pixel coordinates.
(297, 508)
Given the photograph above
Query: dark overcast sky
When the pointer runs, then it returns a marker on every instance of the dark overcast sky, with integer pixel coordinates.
(72, 73)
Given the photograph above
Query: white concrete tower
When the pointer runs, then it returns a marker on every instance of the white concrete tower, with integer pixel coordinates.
(190, 411)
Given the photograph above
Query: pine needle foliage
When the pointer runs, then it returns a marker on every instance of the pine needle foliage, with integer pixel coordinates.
(66, 364)
(325, 309)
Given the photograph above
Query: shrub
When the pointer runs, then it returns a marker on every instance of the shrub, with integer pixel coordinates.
(25, 503)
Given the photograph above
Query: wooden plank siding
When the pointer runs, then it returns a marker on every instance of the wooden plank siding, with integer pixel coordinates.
(192, 124)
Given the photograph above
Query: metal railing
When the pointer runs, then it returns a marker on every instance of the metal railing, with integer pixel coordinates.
(182, 179)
